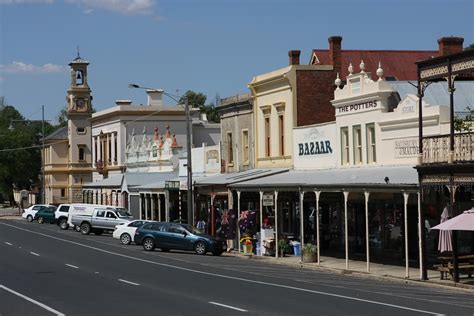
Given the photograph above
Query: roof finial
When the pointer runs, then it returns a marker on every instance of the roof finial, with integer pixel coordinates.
(338, 81)
(380, 72)
(362, 66)
(78, 56)
(350, 69)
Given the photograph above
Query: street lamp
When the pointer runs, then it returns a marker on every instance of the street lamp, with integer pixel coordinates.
(190, 216)
(43, 193)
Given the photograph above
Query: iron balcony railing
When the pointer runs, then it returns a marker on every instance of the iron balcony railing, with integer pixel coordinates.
(436, 148)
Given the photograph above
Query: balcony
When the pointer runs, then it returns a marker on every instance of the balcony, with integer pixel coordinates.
(436, 149)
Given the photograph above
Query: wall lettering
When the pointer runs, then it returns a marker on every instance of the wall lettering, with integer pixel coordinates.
(357, 106)
(314, 148)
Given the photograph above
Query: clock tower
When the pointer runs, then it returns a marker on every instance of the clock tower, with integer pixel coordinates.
(79, 111)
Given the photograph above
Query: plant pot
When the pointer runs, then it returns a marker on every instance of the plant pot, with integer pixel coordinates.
(248, 249)
(309, 257)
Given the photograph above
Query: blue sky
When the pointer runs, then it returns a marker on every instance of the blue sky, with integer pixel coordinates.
(209, 46)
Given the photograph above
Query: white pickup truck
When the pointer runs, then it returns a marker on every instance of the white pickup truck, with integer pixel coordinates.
(102, 219)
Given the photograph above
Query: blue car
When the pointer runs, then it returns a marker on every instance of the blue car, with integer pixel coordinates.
(168, 236)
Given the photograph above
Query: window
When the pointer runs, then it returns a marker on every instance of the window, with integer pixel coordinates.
(63, 193)
(355, 86)
(135, 224)
(115, 147)
(267, 136)
(344, 146)
(109, 145)
(64, 208)
(357, 133)
(245, 147)
(82, 152)
(111, 215)
(100, 213)
(176, 229)
(81, 130)
(230, 148)
(371, 156)
(281, 132)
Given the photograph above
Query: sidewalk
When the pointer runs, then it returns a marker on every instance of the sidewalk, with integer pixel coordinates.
(10, 212)
(359, 268)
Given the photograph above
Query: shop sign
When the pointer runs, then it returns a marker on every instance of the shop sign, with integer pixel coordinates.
(357, 106)
(315, 148)
(172, 185)
(407, 147)
(267, 199)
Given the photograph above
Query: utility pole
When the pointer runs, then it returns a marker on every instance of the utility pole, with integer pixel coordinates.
(189, 163)
(43, 158)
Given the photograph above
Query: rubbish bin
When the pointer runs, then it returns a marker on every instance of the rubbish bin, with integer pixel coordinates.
(296, 248)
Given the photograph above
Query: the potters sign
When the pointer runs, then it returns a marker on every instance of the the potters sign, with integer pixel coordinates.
(357, 107)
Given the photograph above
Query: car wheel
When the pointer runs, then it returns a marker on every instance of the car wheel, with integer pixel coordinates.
(77, 228)
(149, 244)
(40, 220)
(85, 228)
(29, 218)
(125, 239)
(200, 248)
(165, 249)
(63, 224)
(98, 232)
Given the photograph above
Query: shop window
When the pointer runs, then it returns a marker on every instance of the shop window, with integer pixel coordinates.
(371, 156)
(357, 133)
(344, 146)
(267, 136)
(281, 132)
(230, 148)
(245, 147)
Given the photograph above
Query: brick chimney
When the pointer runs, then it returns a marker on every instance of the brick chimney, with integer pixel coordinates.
(294, 57)
(450, 45)
(335, 52)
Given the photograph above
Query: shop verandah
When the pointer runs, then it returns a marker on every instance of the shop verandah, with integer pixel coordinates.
(367, 214)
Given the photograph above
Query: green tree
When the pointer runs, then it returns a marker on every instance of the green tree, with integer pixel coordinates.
(195, 99)
(471, 46)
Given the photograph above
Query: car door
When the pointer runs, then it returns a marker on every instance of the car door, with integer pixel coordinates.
(99, 220)
(49, 215)
(178, 237)
(110, 220)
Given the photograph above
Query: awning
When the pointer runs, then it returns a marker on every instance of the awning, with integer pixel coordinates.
(236, 177)
(112, 181)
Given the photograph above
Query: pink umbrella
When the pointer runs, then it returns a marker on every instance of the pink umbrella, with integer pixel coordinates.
(444, 242)
(464, 221)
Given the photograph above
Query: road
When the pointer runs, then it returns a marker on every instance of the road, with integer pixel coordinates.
(47, 271)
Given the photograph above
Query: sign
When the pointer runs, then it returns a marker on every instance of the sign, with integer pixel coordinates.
(315, 148)
(407, 147)
(172, 185)
(357, 106)
(267, 199)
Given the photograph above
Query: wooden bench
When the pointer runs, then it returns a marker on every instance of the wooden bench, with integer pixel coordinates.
(465, 266)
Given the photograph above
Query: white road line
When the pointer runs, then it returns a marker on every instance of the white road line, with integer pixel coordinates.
(129, 282)
(9, 244)
(228, 306)
(70, 265)
(227, 276)
(29, 299)
(34, 253)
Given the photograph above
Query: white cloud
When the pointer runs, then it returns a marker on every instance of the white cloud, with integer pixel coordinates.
(25, 1)
(20, 67)
(127, 7)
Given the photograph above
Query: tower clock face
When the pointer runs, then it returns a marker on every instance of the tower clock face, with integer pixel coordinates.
(80, 103)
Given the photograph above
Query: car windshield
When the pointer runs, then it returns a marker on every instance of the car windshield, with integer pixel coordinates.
(123, 214)
(193, 230)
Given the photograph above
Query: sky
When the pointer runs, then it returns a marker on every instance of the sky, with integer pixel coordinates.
(209, 46)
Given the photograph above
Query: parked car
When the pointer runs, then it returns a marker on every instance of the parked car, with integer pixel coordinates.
(102, 219)
(168, 236)
(126, 231)
(29, 213)
(46, 215)
(70, 210)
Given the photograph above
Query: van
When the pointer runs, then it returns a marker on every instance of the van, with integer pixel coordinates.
(64, 212)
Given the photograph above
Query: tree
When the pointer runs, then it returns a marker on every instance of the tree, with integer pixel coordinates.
(466, 123)
(195, 99)
(471, 46)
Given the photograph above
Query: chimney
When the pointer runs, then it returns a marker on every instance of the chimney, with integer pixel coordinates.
(335, 52)
(294, 57)
(155, 98)
(450, 45)
(123, 102)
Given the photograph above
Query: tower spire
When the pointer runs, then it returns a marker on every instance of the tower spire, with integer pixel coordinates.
(78, 56)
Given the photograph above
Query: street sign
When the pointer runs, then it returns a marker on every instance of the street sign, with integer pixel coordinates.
(172, 185)
(267, 199)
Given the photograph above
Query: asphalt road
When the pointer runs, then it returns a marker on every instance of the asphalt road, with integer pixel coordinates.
(47, 271)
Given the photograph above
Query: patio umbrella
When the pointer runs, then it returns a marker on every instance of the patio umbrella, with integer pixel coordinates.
(464, 221)
(444, 241)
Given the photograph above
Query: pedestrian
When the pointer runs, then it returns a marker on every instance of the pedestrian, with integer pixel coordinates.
(201, 225)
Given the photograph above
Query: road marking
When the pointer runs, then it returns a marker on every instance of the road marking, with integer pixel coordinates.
(29, 299)
(9, 244)
(129, 282)
(228, 306)
(34, 253)
(70, 265)
(227, 276)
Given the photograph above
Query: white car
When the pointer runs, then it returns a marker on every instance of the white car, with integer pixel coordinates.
(30, 212)
(126, 232)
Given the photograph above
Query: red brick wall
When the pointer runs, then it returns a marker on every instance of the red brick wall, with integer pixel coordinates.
(315, 90)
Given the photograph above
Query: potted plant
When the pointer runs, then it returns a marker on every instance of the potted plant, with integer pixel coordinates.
(283, 247)
(309, 252)
(247, 245)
